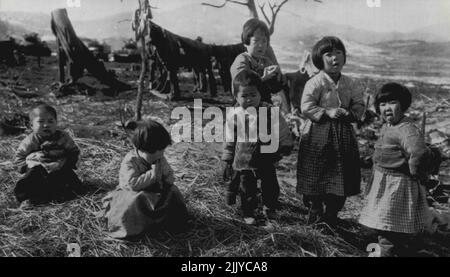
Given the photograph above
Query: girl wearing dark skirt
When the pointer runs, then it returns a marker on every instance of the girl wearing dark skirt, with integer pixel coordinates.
(328, 163)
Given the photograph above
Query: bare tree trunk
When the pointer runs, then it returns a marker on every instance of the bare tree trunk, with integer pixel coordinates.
(252, 8)
(77, 54)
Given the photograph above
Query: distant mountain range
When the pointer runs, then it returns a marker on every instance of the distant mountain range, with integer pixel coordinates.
(416, 47)
(223, 26)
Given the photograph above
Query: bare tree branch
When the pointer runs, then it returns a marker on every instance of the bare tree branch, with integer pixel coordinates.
(224, 3)
(215, 6)
(261, 7)
(274, 7)
(275, 10)
(123, 20)
(249, 3)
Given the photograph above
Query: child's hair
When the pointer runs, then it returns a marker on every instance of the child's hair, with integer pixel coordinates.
(149, 135)
(250, 27)
(393, 91)
(326, 44)
(42, 108)
(246, 78)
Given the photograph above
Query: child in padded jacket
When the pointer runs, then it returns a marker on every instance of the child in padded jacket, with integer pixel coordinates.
(47, 156)
(247, 159)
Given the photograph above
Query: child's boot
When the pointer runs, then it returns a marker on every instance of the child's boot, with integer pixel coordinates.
(249, 217)
(232, 191)
(230, 198)
(270, 213)
(387, 248)
(330, 218)
(250, 220)
(315, 214)
(333, 204)
(26, 205)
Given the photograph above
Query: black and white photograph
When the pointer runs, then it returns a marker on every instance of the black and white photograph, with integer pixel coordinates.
(226, 129)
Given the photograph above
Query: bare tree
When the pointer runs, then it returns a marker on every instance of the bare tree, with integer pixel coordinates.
(274, 7)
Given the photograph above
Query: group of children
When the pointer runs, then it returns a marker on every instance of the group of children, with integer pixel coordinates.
(328, 168)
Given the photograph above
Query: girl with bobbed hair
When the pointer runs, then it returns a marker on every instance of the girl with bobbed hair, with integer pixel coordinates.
(146, 198)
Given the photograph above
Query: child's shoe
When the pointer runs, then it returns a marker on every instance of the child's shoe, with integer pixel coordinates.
(331, 221)
(25, 205)
(230, 198)
(270, 213)
(330, 217)
(374, 250)
(250, 220)
(314, 216)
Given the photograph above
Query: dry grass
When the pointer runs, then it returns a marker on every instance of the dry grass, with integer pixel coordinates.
(215, 229)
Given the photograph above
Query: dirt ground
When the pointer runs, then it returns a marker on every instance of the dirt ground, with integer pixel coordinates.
(215, 228)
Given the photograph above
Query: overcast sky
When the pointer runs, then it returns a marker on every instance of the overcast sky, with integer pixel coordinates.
(393, 15)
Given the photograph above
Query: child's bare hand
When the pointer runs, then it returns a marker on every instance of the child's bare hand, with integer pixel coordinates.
(420, 179)
(336, 113)
(270, 72)
(157, 171)
(333, 113)
(36, 156)
(344, 112)
(35, 159)
(32, 163)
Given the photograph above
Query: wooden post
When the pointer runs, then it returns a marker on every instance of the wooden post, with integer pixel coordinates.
(141, 82)
(141, 27)
(424, 123)
(61, 61)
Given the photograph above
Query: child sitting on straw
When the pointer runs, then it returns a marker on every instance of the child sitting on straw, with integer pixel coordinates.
(47, 156)
(146, 198)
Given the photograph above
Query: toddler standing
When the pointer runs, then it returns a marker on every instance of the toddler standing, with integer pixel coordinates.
(396, 197)
(246, 159)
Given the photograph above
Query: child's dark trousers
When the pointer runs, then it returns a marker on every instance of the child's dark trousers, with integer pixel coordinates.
(244, 182)
(41, 187)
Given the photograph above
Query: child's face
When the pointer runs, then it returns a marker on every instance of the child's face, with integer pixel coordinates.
(258, 44)
(391, 111)
(44, 124)
(151, 158)
(248, 96)
(333, 61)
